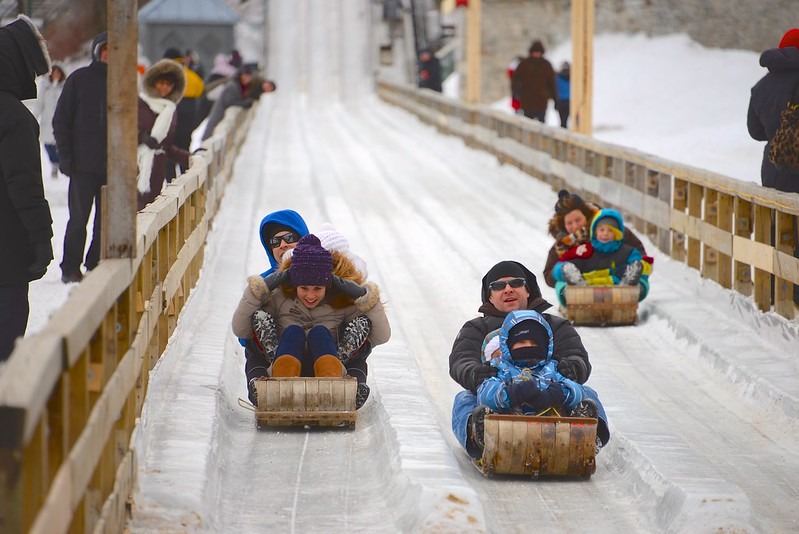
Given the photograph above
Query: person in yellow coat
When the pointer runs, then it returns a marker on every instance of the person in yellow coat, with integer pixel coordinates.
(187, 110)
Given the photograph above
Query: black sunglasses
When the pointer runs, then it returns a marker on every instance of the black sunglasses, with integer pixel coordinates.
(499, 285)
(289, 238)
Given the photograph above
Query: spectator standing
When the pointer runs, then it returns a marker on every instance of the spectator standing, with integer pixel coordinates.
(49, 92)
(161, 89)
(534, 82)
(770, 97)
(563, 85)
(80, 125)
(429, 71)
(188, 109)
(27, 226)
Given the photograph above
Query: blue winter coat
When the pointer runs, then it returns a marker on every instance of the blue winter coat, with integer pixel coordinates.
(493, 392)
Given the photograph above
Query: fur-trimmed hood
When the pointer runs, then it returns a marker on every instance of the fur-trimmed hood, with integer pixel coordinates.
(23, 57)
(557, 227)
(161, 68)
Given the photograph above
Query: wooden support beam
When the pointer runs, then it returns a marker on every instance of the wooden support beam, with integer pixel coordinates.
(119, 230)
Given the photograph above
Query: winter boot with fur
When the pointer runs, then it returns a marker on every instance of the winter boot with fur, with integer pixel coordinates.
(361, 394)
(286, 365)
(586, 408)
(353, 337)
(572, 274)
(327, 366)
(476, 426)
(263, 325)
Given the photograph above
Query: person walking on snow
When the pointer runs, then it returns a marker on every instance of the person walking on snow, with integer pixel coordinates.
(534, 82)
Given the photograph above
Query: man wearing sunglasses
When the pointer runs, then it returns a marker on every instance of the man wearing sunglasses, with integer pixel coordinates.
(506, 287)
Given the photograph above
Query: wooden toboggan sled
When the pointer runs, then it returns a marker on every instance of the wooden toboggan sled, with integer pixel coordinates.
(603, 306)
(538, 446)
(306, 402)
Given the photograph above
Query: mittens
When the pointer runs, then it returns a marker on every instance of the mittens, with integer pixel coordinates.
(528, 394)
(348, 287)
(42, 256)
(566, 368)
(277, 279)
(150, 141)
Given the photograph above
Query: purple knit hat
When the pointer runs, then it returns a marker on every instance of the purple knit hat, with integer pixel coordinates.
(311, 265)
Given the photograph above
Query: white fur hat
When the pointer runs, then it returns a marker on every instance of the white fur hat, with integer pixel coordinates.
(334, 241)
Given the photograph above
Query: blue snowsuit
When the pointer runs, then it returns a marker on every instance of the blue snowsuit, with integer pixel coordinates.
(493, 392)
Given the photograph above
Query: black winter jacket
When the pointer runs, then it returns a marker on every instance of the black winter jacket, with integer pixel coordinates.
(465, 358)
(769, 97)
(80, 122)
(24, 212)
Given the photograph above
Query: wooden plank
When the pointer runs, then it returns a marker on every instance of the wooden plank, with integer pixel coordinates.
(742, 217)
(749, 252)
(763, 277)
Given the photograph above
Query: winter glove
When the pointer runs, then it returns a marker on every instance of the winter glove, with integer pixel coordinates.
(348, 287)
(42, 256)
(572, 274)
(258, 288)
(481, 373)
(566, 368)
(527, 393)
(150, 141)
(632, 275)
(277, 279)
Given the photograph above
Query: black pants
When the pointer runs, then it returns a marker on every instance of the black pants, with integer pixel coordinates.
(13, 316)
(84, 190)
(563, 110)
(537, 114)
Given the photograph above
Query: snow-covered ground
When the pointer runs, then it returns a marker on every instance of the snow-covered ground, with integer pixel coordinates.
(702, 394)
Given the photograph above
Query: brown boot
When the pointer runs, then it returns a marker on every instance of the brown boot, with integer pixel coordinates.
(328, 365)
(286, 365)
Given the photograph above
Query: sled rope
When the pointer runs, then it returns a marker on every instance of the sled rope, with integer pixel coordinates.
(246, 405)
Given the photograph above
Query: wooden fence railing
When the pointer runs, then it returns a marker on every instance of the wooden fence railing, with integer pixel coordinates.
(71, 395)
(740, 234)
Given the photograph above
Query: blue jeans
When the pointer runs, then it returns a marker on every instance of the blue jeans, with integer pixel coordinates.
(319, 341)
(465, 402)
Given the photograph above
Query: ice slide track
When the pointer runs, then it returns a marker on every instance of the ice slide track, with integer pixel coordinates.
(339, 167)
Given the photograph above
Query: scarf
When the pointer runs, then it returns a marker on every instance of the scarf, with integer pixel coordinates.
(164, 109)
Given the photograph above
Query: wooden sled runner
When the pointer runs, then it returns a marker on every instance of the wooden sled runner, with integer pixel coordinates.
(538, 446)
(596, 305)
(306, 401)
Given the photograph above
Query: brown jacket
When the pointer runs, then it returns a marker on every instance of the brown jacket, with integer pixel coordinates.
(534, 83)
(333, 311)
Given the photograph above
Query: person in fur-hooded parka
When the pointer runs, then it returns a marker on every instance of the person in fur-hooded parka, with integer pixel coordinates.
(162, 88)
(569, 227)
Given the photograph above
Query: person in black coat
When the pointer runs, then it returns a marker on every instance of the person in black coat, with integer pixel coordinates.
(429, 71)
(80, 125)
(769, 98)
(506, 287)
(27, 226)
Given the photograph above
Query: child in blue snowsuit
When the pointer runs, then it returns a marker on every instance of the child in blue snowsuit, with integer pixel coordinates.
(606, 261)
(528, 381)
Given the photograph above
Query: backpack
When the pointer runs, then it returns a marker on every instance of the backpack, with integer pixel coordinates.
(783, 149)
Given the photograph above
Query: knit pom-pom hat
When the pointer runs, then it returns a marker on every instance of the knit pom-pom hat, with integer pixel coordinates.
(311, 264)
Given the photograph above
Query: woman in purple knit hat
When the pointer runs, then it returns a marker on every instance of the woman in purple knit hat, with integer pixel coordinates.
(309, 304)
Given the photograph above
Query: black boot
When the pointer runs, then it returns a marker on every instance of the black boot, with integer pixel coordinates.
(353, 336)
(476, 426)
(263, 326)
